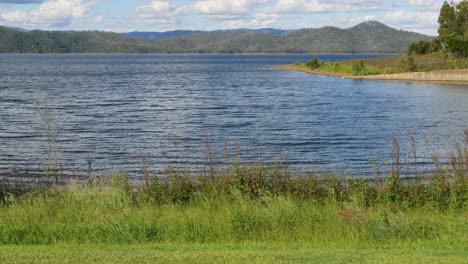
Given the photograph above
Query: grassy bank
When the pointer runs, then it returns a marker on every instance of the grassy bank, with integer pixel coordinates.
(109, 223)
(243, 213)
(249, 214)
(377, 66)
(103, 214)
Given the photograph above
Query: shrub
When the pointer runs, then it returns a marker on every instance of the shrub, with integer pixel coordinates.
(411, 63)
(359, 69)
(314, 64)
(457, 46)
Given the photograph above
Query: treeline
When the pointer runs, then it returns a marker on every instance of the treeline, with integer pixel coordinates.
(453, 32)
(424, 47)
(38, 41)
(368, 37)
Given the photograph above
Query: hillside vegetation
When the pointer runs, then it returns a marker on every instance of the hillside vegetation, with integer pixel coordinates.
(12, 41)
(179, 33)
(368, 37)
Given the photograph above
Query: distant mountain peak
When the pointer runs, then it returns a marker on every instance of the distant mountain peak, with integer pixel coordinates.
(371, 25)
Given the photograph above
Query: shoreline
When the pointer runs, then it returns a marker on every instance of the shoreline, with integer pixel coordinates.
(443, 76)
(458, 76)
(192, 53)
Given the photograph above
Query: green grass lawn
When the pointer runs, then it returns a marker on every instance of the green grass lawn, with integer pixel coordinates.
(227, 253)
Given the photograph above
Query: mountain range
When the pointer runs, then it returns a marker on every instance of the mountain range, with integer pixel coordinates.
(367, 37)
(178, 33)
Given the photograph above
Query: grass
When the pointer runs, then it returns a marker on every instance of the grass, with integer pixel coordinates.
(390, 65)
(109, 215)
(224, 253)
(187, 220)
(244, 213)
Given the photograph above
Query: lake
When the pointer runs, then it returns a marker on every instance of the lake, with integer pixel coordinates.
(111, 111)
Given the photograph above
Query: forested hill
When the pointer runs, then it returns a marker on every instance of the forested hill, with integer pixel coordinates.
(36, 41)
(367, 37)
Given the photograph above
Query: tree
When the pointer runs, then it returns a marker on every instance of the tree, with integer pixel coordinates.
(424, 47)
(457, 45)
(462, 19)
(421, 47)
(313, 64)
(447, 21)
(453, 30)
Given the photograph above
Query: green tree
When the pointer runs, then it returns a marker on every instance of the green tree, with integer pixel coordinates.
(424, 47)
(462, 19)
(447, 21)
(313, 64)
(457, 45)
(453, 30)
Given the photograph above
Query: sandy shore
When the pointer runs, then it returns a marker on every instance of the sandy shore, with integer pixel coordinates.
(452, 76)
(446, 76)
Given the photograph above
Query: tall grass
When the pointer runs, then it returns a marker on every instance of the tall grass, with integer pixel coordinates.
(110, 214)
(243, 202)
(249, 203)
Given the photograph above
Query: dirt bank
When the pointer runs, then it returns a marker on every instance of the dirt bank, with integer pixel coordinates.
(455, 76)
(445, 76)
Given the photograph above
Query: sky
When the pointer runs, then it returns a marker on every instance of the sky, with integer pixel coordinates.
(162, 15)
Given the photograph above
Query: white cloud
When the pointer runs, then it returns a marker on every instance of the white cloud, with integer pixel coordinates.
(324, 6)
(19, 2)
(424, 21)
(345, 21)
(426, 4)
(419, 15)
(156, 7)
(166, 15)
(260, 20)
(216, 7)
(99, 20)
(161, 13)
(14, 17)
(52, 13)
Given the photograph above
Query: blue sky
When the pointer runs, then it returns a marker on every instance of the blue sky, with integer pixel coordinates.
(162, 15)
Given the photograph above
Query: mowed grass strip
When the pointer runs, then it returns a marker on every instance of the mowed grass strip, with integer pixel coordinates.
(222, 253)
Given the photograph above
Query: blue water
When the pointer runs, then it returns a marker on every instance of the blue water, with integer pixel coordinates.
(112, 110)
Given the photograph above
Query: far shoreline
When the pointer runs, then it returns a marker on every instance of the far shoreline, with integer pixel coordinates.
(169, 54)
(454, 76)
